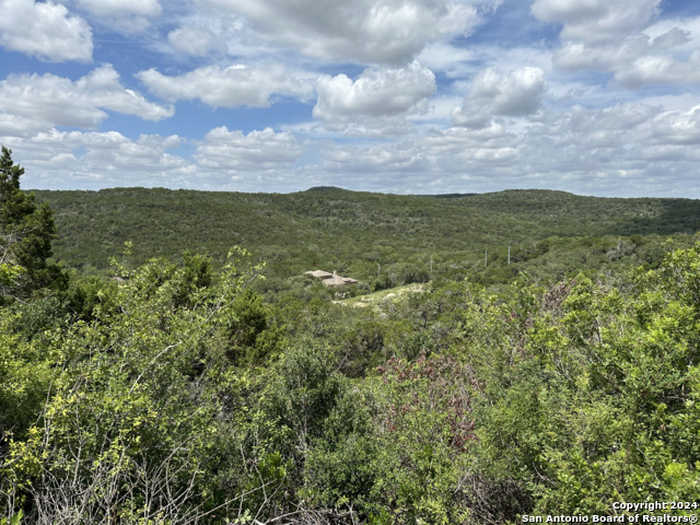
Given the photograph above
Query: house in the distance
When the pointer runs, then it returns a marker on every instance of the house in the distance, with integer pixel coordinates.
(330, 279)
(319, 274)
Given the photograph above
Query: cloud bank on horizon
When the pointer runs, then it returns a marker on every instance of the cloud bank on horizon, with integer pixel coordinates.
(405, 96)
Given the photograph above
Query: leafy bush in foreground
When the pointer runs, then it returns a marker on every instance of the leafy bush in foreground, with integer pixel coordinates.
(175, 394)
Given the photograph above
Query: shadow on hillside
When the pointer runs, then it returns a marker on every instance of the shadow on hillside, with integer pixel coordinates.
(677, 216)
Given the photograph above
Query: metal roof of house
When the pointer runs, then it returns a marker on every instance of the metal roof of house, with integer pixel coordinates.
(335, 280)
(330, 279)
(319, 274)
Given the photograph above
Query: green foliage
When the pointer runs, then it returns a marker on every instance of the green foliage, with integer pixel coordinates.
(592, 406)
(26, 232)
(10, 274)
(197, 390)
(382, 240)
(128, 399)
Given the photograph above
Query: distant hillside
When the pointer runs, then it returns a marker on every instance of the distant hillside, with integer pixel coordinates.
(354, 232)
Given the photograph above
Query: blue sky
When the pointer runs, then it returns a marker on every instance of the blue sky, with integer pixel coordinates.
(595, 97)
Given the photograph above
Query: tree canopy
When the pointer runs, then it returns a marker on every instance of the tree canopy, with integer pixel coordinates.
(182, 391)
(26, 231)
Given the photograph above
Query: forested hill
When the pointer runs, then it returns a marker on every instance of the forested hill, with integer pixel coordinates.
(498, 388)
(344, 230)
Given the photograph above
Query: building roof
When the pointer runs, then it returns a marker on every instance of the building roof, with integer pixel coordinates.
(330, 279)
(319, 274)
(335, 280)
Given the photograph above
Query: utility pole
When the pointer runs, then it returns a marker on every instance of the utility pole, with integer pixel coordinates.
(486, 257)
(432, 252)
(509, 254)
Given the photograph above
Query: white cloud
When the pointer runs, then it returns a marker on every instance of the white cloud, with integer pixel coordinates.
(576, 55)
(121, 7)
(233, 86)
(210, 31)
(375, 93)
(364, 31)
(192, 41)
(17, 125)
(678, 127)
(125, 16)
(43, 101)
(623, 39)
(595, 21)
(223, 160)
(396, 158)
(59, 159)
(438, 109)
(652, 69)
(258, 151)
(447, 58)
(455, 159)
(671, 39)
(633, 148)
(618, 149)
(494, 93)
(683, 34)
(380, 128)
(637, 60)
(44, 30)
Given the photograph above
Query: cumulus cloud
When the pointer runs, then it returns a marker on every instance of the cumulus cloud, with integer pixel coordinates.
(45, 30)
(594, 21)
(659, 70)
(223, 159)
(454, 159)
(364, 31)
(56, 159)
(623, 39)
(626, 145)
(514, 126)
(12, 125)
(258, 151)
(633, 149)
(233, 86)
(210, 31)
(677, 128)
(378, 128)
(192, 41)
(495, 93)
(444, 57)
(638, 59)
(126, 16)
(401, 158)
(375, 93)
(33, 102)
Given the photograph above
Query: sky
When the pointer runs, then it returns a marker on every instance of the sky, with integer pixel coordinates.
(594, 97)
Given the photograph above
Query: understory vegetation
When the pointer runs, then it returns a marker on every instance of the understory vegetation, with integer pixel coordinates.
(196, 387)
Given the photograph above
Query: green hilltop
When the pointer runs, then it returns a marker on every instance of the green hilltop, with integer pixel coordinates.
(367, 235)
(504, 357)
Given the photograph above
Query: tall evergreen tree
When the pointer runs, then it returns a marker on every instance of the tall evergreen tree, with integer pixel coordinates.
(26, 232)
